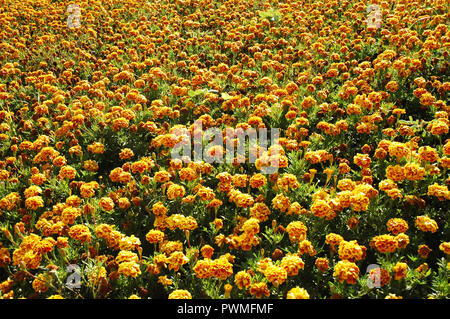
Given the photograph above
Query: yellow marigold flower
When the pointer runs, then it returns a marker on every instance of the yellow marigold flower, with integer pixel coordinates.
(126, 256)
(428, 154)
(414, 172)
(159, 209)
(445, 247)
(129, 269)
(59, 161)
(384, 243)
(67, 172)
(38, 179)
(400, 270)
(175, 191)
(297, 293)
(31, 191)
(154, 236)
(305, 247)
(398, 150)
(207, 251)
(380, 276)
(351, 251)
(397, 225)
(322, 264)
(346, 271)
(69, 215)
(251, 226)
(34, 202)
(441, 192)
(202, 268)
(402, 240)
(362, 160)
(395, 173)
(333, 240)
(180, 294)
(106, 203)
(292, 263)
(297, 231)
(346, 184)
(129, 243)
(258, 180)
(322, 209)
(242, 279)
(162, 176)
(359, 201)
(425, 223)
(176, 260)
(126, 154)
(90, 165)
(81, 233)
(188, 174)
(42, 282)
(87, 190)
(259, 289)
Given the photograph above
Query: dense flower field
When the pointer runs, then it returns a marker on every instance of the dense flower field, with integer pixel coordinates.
(93, 94)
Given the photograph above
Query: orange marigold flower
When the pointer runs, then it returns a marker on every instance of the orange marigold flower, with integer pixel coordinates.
(242, 279)
(106, 203)
(400, 270)
(346, 271)
(384, 243)
(259, 289)
(297, 231)
(322, 264)
(180, 294)
(445, 247)
(81, 233)
(297, 293)
(397, 225)
(154, 236)
(425, 223)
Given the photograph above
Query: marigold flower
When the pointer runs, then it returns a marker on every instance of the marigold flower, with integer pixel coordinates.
(42, 282)
(384, 243)
(425, 223)
(154, 236)
(129, 269)
(350, 250)
(207, 251)
(259, 289)
(292, 263)
(445, 247)
(397, 225)
(180, 294)
(242, 279)
(322, 264)
(297, 293)
(106, 203)
(81, 233)
(346, 271)
(297, 231)
(34, 202)
(423, 251)
(400, 270)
